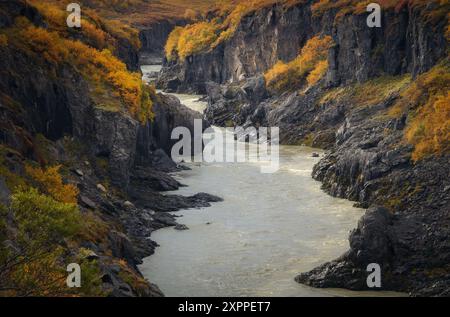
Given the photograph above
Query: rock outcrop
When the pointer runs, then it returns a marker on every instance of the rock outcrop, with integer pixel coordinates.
(153, 37)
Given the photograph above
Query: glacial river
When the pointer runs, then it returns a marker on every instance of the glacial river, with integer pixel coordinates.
(268, 229)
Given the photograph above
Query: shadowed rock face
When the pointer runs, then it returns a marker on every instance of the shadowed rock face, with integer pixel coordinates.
(153, 37)
(370, 242)
(126, 143)
(405, 43)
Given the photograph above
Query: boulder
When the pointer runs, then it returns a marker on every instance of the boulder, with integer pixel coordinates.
(87, 202)
(181, 227)
(101, 188)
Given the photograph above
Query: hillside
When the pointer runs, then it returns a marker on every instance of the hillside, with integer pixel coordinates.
(82, 156)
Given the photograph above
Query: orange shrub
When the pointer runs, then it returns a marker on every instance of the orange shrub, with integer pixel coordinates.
(428, 103)
(276, 71)
(171, 46)
(195, 38)
(54, 14)
(100, 68)
(3, 40)
(309, 65)
(96, 36)
(50, 183)
(45, 43)
(206, 35)
(317, 73)
(429, 131)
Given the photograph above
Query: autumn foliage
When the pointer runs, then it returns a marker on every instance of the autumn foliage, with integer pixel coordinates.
(429, 131)
(189, 40)
(95, 31)
(50, 182)
(427, 101)
(206, 35)
(107, 74)
(308, 67)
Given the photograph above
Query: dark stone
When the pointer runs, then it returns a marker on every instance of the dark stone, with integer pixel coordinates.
(5, 193)
(87, 202)
(181, 227)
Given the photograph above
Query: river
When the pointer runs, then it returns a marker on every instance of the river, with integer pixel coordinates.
(268, 229)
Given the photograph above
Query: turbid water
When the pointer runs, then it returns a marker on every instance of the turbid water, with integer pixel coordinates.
(269, 228)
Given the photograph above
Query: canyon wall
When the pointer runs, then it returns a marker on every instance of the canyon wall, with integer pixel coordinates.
(154, 36)
(405, 43)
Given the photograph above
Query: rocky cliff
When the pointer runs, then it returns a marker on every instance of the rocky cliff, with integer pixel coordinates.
(153, 37)
(407, 42)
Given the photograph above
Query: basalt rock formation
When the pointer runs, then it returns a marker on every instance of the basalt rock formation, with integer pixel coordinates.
(407, 43)
(154, 36)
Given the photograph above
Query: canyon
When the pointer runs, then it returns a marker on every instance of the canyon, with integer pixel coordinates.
(405, 229)
(56, 113)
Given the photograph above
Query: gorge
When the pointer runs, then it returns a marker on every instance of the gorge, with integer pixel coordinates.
(362, 110)
(82, 132)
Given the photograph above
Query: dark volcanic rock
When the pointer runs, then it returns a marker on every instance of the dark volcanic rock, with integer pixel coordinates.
(87, 202)
(181, 227)
(371, 241)
(154, 179)
(154, 36)
(145, 198)
(230, 105)
(122, 247)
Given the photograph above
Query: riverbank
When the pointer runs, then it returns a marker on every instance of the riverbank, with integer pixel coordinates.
(254, 242)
